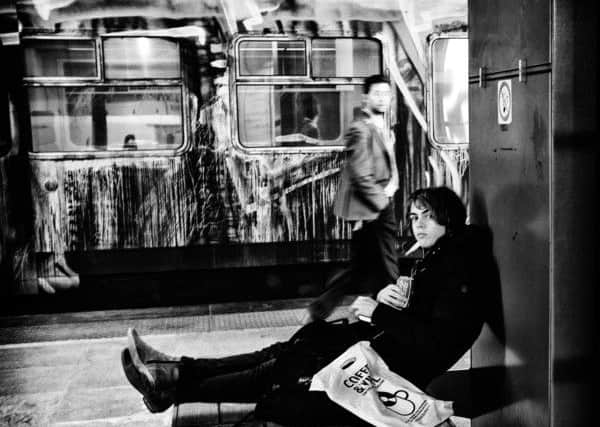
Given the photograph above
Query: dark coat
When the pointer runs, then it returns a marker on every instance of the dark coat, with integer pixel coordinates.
(446, 310)
(366, 172)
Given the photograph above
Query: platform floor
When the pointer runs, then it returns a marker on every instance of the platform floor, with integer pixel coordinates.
(64, 369)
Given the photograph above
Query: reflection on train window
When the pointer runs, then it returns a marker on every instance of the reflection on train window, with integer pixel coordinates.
(60, 58)
(345, 57)
(105, 118)
(295, 115)
(141, 58)
(449, 107)
(272, 58)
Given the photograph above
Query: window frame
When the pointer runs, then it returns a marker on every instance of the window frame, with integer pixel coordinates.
(374, 39)
(65, 79)
(101, 81)
(308, 80)
(109, 80)
(313, 85)
(429, 95)
(272, 39)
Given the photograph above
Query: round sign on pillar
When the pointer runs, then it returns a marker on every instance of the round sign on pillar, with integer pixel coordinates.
(504, 102)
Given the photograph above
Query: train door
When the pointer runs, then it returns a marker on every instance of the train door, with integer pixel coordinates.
(108, 133)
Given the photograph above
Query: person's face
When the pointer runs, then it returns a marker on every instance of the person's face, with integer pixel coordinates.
(379, 97)
(425, 228)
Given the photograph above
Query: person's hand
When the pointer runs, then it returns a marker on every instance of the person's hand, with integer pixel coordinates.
(363, 308)
(390, 295)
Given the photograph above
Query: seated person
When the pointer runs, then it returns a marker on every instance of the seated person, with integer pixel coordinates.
(129, 142)
(309, 127)
(310, 117)
(419, 339)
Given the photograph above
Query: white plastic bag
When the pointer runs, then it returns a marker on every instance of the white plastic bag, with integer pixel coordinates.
(360, 381)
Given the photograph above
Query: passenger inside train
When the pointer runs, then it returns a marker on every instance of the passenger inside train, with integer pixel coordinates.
(419, 339)
(129, 142)
(310, 117)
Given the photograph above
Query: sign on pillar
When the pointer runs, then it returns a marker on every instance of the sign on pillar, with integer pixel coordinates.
(504, 102)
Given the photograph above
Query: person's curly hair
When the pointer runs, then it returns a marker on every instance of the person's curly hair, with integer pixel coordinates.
(445, 205)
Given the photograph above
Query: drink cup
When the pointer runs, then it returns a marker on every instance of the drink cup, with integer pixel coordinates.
(404, 284)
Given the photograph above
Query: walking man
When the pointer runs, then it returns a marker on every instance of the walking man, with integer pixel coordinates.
(365, 197)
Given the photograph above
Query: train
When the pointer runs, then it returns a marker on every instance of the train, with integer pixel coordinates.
(212, 141)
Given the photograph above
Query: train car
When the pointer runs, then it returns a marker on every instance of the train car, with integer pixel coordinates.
(213, 138)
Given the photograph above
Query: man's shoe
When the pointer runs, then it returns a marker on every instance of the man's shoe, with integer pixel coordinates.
(146, 353)
(159, 395)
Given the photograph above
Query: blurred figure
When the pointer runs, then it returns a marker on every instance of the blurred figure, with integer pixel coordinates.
(129, 142)
(310, 116)
(365, 198)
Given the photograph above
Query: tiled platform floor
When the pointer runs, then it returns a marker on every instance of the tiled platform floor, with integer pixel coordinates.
(80, 382)
(65, 370)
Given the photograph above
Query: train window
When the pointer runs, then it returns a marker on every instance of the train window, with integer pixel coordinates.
(60, 58)
(272, 58)
(141, 58)
(295, 115)
(345, 57)
(105, 118)
(279, 104)
(448, 104)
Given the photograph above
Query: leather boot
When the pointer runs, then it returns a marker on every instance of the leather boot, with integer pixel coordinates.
(157, 383)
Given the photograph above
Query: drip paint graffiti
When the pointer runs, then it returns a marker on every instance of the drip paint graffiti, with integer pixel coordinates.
(210, 194)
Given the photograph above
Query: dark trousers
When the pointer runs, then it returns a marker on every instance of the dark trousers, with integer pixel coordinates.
(239, 378)
(248, 377)
(373, 263)
(374, 253)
